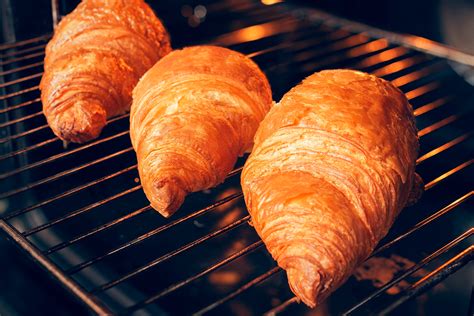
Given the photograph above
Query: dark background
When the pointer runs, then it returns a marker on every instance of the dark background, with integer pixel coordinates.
(26, 291)
(446, 21)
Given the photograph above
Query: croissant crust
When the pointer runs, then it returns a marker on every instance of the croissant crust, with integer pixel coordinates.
(332, 166)
(193, 114)
(95, 58)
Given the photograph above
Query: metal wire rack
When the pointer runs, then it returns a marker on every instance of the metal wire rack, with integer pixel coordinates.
(81, 214)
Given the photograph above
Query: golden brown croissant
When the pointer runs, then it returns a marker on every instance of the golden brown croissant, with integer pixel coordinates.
(93, 62)
(192, 115)
(332, 166)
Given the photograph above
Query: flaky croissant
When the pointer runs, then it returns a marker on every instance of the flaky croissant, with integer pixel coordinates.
(332, 166)
(193, 114)
(94, 60)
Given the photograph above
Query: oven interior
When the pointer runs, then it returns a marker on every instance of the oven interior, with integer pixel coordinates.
(81, 214)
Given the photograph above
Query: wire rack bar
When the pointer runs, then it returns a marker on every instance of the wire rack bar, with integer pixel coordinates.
(178, 285)
(413, 269)
(280, 308)
(448, 208)
(15, 94)
(438, 125)
(98, 229)
(22, 79)
(21, 51)
(42, 127)
(29, 148)
(22, 58)
(239, 291)
(386, 56)
(18, 69)
(62, 174)
(418, 92)
(153, 232)
(427, 282)
(431, 106)
(63, 154)
(21, 105)
(444, 147)
(433, 67)
(434, 182)
(67, 193)
(171, 254)
(80, 211)
(25, 42)
(52, 268)
(21, 119)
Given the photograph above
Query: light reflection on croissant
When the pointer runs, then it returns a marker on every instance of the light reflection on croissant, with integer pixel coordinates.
(193, 114)
(332, 166)
(95, 58)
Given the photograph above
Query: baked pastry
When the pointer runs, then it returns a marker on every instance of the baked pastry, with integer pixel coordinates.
(193, 114)
(332, 166)
(93, 62)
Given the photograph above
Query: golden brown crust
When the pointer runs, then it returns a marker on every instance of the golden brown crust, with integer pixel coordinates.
(95, 58)
(332, 166)
(192, 115)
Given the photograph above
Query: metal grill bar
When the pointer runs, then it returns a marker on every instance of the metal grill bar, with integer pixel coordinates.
(438, 125)
(21, 51)
(433, 278)
(98, 229)
(280, 308)
(239, 291)
(444, 147)
(152, 233)
(23, 79)
(18, 69)
(63, 154)
(34, 130)
(15, 94)
(29, 148)
(399, 65)
(386, 56)
(25, 42)
(431, 106)
(15, 107)
(171, 254)
(176, 286)
(448, 208)
(22, 58)
(413, 269)
(63, 173)
(19, 120)
(423, 90)
(434, 182)
(76, 289)
(80, 211)
(67, 193)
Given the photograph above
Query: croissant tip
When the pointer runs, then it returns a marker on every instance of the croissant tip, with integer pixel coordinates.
(167, 198)
(305, 287)
(80, 123)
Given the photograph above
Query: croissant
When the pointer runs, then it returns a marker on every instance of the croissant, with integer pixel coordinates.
(332, 166)
(94, 60)
(193, 114)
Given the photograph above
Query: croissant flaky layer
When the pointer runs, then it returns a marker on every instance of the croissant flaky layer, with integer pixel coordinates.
(192, 115)
(332, 166)
(94, 60)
